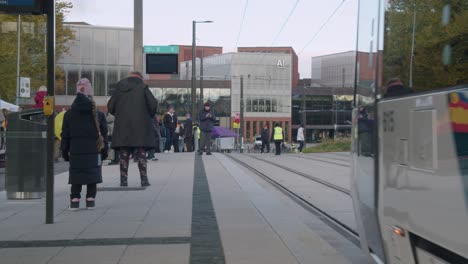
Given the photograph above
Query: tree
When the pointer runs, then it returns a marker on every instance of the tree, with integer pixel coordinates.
(33, 60)
(440, 53)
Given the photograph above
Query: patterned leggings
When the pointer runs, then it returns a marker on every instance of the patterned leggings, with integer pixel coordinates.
(140, 154)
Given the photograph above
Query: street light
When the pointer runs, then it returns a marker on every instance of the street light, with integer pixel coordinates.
(194, 78)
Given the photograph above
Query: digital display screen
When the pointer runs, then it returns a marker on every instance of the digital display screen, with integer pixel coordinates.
(162, 63)
(22, 6)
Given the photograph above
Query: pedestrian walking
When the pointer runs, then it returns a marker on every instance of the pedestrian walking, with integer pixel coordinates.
(207, 119)
(84, 143)
(134, 107)
(152, 151)
(277, 136)
(265, 139)
(170, 122)
(39, 97)
(300, 138)
(188, 137)
(179, 134)
(162, 132)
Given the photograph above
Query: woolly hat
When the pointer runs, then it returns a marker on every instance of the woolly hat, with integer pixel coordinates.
(207, 104)
(84, 86)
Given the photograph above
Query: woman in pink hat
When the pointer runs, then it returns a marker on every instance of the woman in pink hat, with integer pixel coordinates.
(84, 144)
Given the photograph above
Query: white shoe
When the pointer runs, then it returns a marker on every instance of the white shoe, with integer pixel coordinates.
(166, 151)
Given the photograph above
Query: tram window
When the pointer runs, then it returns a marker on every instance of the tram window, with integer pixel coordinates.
(426, 44)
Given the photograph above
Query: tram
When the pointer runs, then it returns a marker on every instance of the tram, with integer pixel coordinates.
(410, 131)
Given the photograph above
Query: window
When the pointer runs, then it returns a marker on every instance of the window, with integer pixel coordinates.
(268, 105)
(440, 57)
(247, 131)
(99, 85)
(255, 105)
(87, 73)
(112, 78)
(248, 106)
(72, 79)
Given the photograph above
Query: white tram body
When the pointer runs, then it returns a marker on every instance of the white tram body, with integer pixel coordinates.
(410, 148)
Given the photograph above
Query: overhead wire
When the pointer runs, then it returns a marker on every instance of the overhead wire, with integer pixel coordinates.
(323, 26)
(285, 22)
(242, 22)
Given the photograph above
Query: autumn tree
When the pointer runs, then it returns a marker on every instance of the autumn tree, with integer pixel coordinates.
(440, 41)
(33, 55)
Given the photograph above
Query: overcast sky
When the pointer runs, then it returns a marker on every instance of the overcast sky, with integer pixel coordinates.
(170, 22)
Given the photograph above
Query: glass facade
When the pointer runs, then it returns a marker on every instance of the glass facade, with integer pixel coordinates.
(323, 110)
(104, 55)
(180, 99)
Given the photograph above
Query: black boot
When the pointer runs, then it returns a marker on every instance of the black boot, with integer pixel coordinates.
(123, 181)
(144, 181)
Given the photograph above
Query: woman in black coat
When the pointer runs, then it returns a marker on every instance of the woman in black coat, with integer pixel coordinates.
(84, 145)
(134, 107)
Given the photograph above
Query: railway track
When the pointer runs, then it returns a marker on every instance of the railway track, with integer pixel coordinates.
(308, 157)
(316, 179)
(339, 226)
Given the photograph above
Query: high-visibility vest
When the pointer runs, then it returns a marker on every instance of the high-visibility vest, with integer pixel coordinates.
(278, 133)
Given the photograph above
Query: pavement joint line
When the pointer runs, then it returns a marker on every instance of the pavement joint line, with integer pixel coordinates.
(206, 245)
(129, 241)
(120, 189)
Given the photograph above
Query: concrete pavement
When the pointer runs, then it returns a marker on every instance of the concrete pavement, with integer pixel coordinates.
(197, 210)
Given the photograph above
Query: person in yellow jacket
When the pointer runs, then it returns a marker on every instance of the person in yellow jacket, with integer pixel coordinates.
(58, 134)
(277, 136)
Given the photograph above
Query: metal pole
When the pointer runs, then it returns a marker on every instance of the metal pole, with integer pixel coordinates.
(50, 119)
(138, 35)
(18, 58)
(304, 114)
(194, 77)
(412, 51)
(201, 78)
(242, 113)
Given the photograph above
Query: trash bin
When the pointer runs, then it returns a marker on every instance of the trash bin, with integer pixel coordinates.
(26, 139)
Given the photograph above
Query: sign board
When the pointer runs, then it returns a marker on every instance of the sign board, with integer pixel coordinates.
(23, 6)
(25, 87)
(162, 63)
(160, 49)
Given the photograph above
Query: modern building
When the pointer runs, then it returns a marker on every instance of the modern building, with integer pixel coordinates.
(324, 111)
(177, 93)
(286, 50)
(334, 70)
(267, 79)
(104, 55)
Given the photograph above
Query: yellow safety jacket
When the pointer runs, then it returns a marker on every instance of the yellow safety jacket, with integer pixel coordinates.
(278, 134)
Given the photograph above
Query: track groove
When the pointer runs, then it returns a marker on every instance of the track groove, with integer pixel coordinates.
(332, 221)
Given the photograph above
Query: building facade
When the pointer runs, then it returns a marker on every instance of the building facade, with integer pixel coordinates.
(325, 112)
(286, 50)
(104, 55)
(334, 70)
(266, 86)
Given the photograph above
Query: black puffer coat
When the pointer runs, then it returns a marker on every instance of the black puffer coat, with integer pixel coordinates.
(134, 107)
(79, 138)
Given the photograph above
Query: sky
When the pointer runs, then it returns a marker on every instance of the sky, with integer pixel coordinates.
(266, 23)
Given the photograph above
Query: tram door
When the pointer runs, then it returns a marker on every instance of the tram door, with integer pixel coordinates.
(365, 180)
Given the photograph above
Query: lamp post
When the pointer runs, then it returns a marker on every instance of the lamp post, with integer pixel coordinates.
(194, 72)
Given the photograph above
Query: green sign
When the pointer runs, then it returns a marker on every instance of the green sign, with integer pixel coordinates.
(161, 49)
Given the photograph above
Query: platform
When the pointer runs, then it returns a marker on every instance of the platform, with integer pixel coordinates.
(203, 210)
